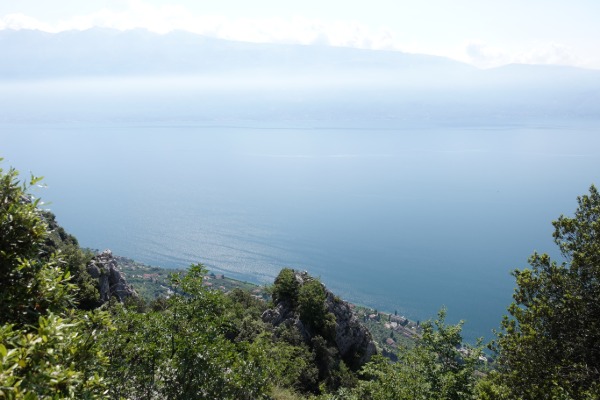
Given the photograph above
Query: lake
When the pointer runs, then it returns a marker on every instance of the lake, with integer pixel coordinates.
(397, 214)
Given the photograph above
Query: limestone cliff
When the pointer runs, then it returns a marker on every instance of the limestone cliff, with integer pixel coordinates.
(111, 282)
(351, 338)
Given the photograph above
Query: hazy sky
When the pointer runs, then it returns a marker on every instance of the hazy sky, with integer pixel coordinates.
(482, 32)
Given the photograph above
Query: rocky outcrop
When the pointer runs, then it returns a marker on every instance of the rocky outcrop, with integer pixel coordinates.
(110, 280)
(352, 339)
(283, 313)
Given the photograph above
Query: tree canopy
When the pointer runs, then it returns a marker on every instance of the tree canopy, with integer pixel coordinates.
(48, 349)
(549, 347)
(437, 368)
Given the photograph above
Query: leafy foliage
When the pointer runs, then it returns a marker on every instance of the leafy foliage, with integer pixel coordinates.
(65, 248)
(305, 297)
(293, 365)
(550, 348)
(59, 359)
(47, 350)
(436, 368)
(286, 287)
(311, 305)
(22, 232)
(183, 351)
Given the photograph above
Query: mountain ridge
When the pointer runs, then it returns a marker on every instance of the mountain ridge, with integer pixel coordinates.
(104, 51)
(310, 82)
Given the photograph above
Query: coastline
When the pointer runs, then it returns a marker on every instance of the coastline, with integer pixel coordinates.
(389, 330)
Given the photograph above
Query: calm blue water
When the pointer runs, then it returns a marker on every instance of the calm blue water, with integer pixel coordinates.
(397, 216)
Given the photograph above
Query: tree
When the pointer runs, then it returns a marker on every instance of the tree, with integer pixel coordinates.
(47, 349)
(550, 346)
(65, 247)
(305, 303)
(313, 312)
(286, 287)
(183, 352)
(436, 368)
(22, 232)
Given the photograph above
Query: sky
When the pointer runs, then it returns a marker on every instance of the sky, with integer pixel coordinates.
(484, 33)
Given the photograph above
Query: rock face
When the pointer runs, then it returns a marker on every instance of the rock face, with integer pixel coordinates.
(110, 280)
(352, 339)
(283, 313)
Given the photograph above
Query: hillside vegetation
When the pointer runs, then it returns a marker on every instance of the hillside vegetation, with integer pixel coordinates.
(71, 327)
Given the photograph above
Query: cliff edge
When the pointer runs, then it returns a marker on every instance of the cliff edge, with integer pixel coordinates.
(111, 281)
(303, 302)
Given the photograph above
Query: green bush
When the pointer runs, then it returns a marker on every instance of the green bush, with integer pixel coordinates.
(182, 351)
(434, 369)
(285, 287)
(549, 347)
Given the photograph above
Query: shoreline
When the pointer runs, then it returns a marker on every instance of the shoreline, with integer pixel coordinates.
(389, 330)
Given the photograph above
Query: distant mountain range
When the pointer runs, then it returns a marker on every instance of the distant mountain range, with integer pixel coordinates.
(379, 78)
(99, 51)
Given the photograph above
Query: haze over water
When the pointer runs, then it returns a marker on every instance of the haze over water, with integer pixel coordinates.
(398, 214)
